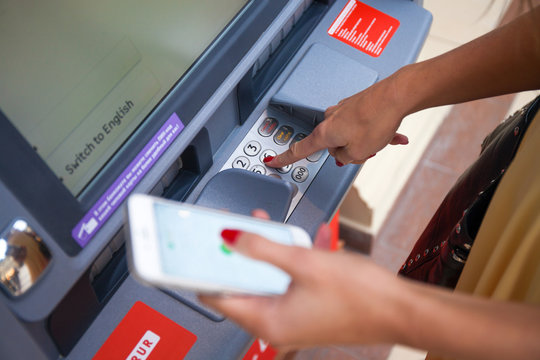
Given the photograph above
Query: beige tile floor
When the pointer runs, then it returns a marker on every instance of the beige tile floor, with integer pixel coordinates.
(427, 167)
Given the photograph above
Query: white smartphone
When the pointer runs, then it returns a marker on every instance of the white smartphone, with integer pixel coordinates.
(176, 245)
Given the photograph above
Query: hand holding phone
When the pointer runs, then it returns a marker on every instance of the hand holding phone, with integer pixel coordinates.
(176, 245)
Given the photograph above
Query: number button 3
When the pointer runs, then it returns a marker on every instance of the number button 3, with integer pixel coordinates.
(252, 148)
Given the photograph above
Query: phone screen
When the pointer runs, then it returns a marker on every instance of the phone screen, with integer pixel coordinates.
(191, 247)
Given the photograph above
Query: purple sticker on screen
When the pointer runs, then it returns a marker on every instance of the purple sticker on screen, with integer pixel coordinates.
(126, 182)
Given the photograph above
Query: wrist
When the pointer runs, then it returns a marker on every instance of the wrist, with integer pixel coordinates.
(400, 315)
(410, 87)
(390, 317)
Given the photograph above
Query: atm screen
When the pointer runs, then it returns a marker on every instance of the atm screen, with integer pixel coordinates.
(78, 77)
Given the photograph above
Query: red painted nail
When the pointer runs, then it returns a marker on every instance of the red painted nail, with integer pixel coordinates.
(230, 236)
(339, 164)
(268, 159)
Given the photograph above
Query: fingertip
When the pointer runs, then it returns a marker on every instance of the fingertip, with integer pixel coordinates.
(230, 236)
(261, 214)
(323, 237)
(272, 161)
(399, 139)
(404, 141)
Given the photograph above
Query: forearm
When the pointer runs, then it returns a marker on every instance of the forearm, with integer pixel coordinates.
(466, 327)
(503, 61)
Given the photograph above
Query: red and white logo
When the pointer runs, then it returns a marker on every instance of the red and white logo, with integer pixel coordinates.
(364, 28)
(144, 347)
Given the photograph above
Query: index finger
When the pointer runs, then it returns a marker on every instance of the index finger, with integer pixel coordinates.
(298, 150)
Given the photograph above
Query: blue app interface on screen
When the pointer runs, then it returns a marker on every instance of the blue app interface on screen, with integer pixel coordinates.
(191, 247)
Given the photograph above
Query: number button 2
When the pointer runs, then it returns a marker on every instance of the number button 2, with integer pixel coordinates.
(240, 162)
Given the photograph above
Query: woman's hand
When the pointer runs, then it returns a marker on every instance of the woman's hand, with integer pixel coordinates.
(333, 297)
(345, 298)
(355, 129)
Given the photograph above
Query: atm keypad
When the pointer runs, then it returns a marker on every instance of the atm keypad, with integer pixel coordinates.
(272, 134)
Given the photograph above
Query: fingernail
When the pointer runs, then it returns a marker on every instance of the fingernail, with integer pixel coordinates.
(268, 159)
(230, 236)
(339, 164)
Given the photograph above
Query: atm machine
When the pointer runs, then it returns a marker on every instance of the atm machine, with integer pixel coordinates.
(102, 99)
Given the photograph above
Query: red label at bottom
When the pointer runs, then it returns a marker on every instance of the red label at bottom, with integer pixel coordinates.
(145, 334)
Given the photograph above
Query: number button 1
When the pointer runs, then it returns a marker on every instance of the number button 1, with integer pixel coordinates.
(240, 162)
(252, 148)
(267, 153)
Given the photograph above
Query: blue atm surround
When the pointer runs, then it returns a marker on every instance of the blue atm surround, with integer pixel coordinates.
(274, 53)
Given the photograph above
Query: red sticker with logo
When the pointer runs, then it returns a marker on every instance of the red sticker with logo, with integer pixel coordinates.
(364, 28)
(145, 334)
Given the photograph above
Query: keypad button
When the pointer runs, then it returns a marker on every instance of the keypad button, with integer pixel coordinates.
(241, 162)
(315, 156)
(283, 135)
(258, 169)
(252, 148)
(284, 169)
(267, 153)
(274, 175)
(300, 174)
(297, 138)
(268, 126)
